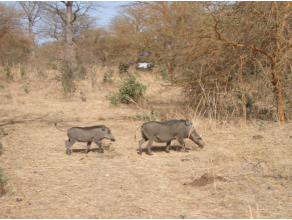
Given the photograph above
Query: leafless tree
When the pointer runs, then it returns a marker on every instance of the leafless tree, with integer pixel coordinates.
(65, 17)
(32, 11)
(270, 43)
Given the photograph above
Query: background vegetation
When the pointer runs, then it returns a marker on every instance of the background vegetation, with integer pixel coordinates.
(234, 59)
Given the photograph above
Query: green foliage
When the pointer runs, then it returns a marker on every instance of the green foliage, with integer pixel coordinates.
(3, 177)
(146, 117)
(1, 149)
(83, 97)
(4, 132)
(107, 76)
(129, 90)
(8, 96)
(123, 68)
(26, 90)
(163, 74)
(113, 98)
(3, 180)
(67, 78)
(81, 72)
(22, 71)
(108, 147)
(41, 73)
(183, 216)
(53, 66)
(7, 71)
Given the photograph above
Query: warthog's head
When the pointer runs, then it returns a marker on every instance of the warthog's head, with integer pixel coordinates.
(108, 134)
(193, 135)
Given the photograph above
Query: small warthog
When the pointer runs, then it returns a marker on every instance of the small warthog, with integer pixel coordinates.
(88, 134)
(166, 132)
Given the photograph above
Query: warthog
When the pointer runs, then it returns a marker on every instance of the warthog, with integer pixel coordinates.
(166, 132)
(88, 134)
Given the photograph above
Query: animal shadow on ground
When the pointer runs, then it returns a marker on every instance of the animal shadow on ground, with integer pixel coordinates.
(162, 148)
(206, 179)
(83, 150)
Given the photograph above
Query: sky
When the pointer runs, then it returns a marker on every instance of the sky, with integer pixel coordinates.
(106, 10)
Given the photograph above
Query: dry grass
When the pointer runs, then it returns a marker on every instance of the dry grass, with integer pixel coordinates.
(234, 176)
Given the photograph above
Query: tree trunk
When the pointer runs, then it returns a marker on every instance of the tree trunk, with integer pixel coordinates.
(279, 100)
(70, 56)
(277, 83)
(31, 38)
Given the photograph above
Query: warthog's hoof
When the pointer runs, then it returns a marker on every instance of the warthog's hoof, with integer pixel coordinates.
(150, 153)
(139, 152)
(68, 152)
(101, 151)
(167, 151)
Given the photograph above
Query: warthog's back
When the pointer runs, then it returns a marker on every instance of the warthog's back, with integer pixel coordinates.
(84, 134)
(163, 131)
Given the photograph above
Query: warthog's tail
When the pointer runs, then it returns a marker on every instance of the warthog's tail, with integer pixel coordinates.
(136, 134)
(56, 123)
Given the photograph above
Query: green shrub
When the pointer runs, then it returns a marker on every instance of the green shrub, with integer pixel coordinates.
(107, 76)
(113, 98)
(7, 71)
(3, 177)
(22, 71)
(67, 78)
(26, 90)
(123, 68)
(146, 117)
(129, 90)
(82, 97)
(3, 180)
(81, 72)
(1, 149)
(41, 73)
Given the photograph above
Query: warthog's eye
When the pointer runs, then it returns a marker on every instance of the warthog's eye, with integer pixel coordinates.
(103, 129)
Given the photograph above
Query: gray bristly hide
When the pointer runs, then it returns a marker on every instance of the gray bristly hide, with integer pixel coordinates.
(88, 134)
(165, 132)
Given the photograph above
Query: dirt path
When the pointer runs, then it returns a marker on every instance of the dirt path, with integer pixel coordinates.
(252, 176)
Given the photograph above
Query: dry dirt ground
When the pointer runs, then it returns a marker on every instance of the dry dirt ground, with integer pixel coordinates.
(245, 170)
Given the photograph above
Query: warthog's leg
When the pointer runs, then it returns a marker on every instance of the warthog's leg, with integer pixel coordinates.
(182, 143)
(142, 141)
(69, 144)
(88, 147)
(167, 146)
(149, 145)
(100, 149)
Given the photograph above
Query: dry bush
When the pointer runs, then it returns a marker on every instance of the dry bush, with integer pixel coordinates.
(14, 42)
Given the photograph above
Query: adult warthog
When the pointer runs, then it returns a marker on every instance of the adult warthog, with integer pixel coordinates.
(166, 132)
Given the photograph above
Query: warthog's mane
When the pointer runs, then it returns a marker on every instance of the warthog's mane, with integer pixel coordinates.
(91, 127)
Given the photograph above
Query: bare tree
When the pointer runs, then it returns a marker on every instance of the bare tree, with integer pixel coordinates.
(14, 44)
(64, 15)
(271, 40)
(32, 11)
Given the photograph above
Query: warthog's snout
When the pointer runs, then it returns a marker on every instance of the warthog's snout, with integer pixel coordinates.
(200, 142)
(113, 139)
